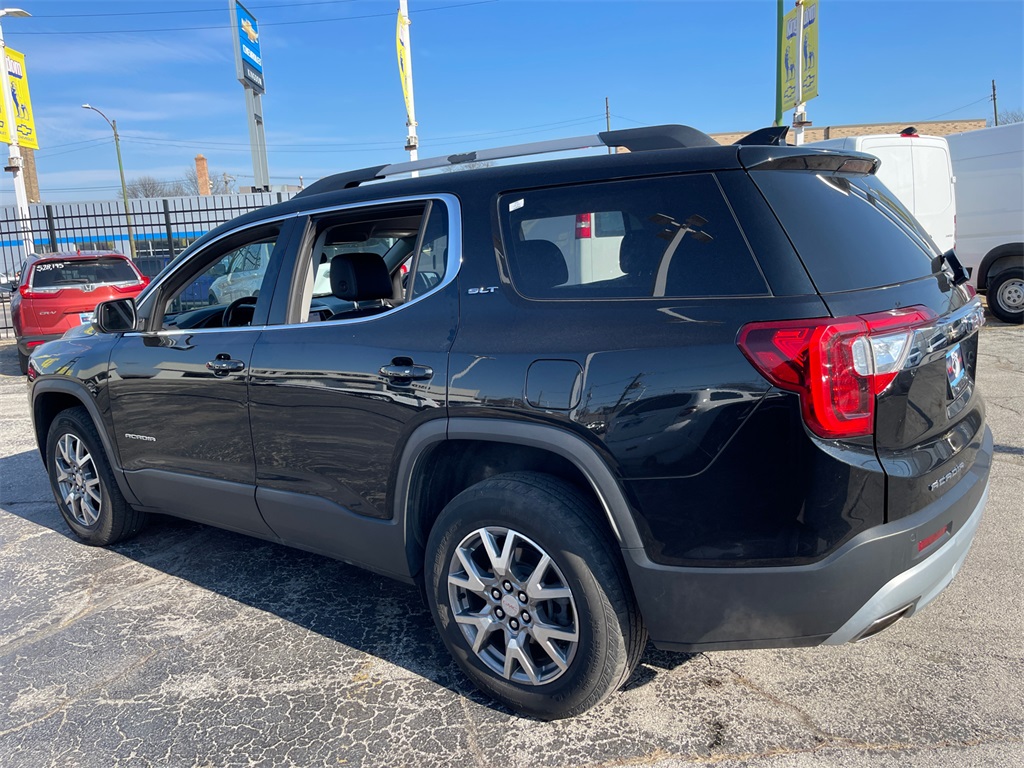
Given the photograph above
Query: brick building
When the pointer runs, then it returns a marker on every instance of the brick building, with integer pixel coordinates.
(929, 127)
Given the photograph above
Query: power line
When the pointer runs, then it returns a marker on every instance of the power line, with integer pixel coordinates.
(179, 10)
(965, 106)
(262, 25)
(350, 146)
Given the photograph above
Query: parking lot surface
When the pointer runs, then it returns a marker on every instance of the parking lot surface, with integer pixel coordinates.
(190, 646)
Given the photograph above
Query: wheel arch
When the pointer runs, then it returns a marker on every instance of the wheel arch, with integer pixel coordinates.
(50, 397)
(420, 493)
(992, 264)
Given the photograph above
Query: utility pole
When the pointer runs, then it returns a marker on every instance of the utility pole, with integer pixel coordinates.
(15, 164)
(995, 110)
(607, 119)
(120, 168)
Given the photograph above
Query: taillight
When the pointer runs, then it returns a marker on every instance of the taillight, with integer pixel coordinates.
(837, 366)
(582, 226)
(33, 344)
(134, 287)
(27, 292)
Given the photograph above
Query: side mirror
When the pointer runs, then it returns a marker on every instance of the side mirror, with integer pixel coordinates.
(218, 270)
(116, 316)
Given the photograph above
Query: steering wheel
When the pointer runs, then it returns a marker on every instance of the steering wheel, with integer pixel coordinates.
(234, 315)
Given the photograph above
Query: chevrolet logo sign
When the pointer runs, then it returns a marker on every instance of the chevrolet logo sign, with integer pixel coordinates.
(249, 31)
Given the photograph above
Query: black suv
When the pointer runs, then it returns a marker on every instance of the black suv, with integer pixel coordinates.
(720, 396)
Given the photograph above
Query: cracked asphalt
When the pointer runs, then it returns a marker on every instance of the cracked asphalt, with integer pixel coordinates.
(190, 646)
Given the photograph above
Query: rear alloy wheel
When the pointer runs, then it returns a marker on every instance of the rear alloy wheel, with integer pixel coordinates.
(1006, 295)
(83, 483)
(531, 597)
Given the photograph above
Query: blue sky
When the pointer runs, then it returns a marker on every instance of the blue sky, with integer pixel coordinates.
(486, 74)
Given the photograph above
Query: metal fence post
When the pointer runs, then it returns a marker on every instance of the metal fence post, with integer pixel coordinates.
(170, 233)
(51, 227)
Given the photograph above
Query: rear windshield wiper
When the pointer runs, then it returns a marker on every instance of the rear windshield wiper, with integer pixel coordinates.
(960, 275)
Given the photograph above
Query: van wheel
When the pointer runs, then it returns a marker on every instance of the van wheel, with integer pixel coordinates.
(83, 484)
(1006, 295)
(531, 597)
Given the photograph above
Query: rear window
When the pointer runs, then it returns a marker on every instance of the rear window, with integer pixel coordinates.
(52, 274)
(850, 231)
(644, 238)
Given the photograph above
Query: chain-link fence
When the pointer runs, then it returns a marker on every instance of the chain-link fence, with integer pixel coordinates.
(161, 228)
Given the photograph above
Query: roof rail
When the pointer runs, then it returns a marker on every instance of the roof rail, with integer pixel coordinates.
(634, 139)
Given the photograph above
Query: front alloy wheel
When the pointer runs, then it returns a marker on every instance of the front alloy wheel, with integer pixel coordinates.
(78, 482)
(513, 605)
(83, 483)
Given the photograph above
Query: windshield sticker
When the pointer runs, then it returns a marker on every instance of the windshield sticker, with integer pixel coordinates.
(47, 266)
(516, 205)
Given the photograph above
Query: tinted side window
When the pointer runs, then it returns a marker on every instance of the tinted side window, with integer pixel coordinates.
(849, 230)
(645, 238)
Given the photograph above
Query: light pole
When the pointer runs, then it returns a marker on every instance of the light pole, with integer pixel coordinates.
(120, 168)
(14, 163)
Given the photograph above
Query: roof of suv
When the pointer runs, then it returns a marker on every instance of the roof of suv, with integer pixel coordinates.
(658, 150)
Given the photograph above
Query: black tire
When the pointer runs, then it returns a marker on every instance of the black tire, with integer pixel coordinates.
(23, 361)
(549, 517)
(1006, 295)
(88, 496)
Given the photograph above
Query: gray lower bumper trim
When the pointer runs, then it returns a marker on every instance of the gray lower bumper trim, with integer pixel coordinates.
(917, 586)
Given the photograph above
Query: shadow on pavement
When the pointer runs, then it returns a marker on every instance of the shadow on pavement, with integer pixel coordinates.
(369, 613)
(9, 358)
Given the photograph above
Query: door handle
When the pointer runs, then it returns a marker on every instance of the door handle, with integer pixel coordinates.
(224, 365)
(407, 372)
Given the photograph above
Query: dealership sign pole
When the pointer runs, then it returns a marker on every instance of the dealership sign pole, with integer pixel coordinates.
(402, 43)
(249, 70)
(17, 120)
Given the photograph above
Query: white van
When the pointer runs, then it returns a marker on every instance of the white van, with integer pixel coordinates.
(989, 168)
(919, 172)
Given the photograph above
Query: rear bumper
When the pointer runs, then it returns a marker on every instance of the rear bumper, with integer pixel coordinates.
(35, 340)
(878, 573)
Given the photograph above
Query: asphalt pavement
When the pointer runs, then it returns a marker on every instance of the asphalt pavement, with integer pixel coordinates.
(191, 646)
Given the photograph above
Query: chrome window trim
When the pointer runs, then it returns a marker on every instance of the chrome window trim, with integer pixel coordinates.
(452, 264)
(153, 288)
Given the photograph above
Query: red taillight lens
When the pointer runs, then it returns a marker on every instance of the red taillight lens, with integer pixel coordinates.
(837, 366)
(143, 282)
(25, 292)
(582, 226)
(31, 344)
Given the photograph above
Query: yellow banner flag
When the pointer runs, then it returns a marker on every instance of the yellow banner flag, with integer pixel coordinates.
(404, 65)
(803, 47)
(23, 119)
(809, 54)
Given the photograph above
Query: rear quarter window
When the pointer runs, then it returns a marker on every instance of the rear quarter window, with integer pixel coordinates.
(671, 237)
(850, 231)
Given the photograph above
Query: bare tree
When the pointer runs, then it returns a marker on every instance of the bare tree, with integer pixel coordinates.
(220, 184)
(1011, 116)
(150, 186)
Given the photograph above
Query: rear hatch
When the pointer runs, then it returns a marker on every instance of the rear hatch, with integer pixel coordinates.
(909, 334)
(63, 292)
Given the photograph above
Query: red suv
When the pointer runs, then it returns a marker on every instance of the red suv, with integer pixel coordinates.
(58, 291)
